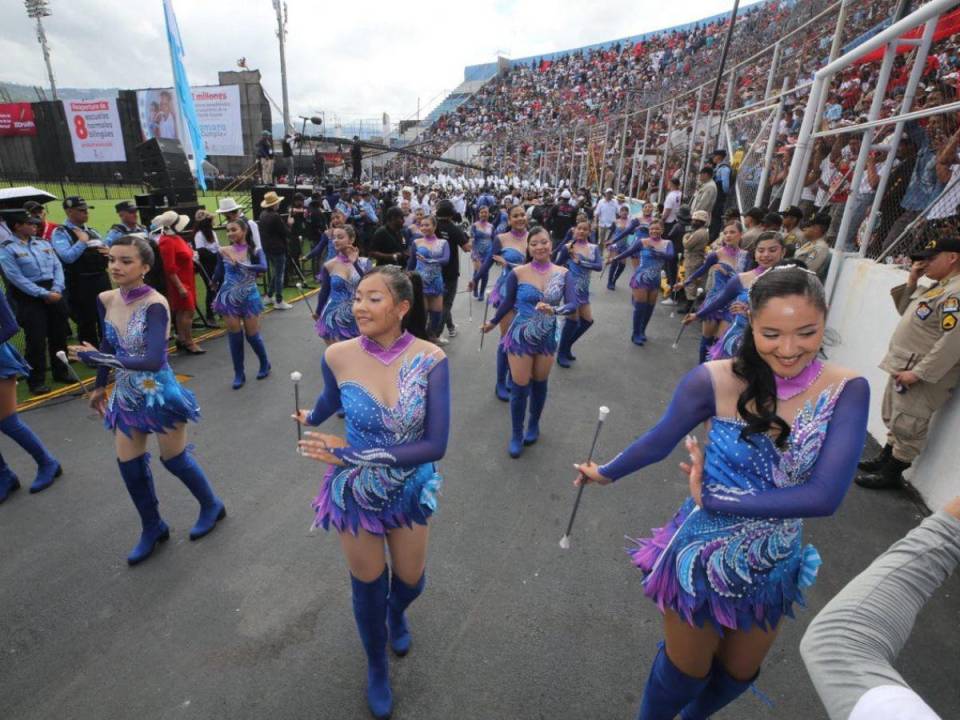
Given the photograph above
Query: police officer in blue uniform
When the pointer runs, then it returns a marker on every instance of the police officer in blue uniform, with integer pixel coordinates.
(35, 285)
(128, 225)
(84, 257)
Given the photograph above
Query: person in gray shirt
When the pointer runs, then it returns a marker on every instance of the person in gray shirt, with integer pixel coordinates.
(850, 647)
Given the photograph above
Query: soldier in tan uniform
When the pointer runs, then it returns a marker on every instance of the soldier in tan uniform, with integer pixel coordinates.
(695, 245)
(923, 360)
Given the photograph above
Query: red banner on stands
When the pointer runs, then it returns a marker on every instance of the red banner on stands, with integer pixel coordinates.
(947, 25)
(16, 119)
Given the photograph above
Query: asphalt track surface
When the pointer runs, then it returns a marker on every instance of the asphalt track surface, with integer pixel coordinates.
(254, 621)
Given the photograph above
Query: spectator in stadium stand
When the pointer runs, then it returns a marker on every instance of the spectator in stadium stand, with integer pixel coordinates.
(678, 231)
(207, 246)
(562, 217)
(605, 214)
(722, 176)
(453, 233)
(231, 211)
(752, 227)
(706, 192)
(39, 211)
(671, 204)
(356, 158)
(695, 243)
(264, 152)
(35, 285)
(923, 360)
(924, 184)
(388, 246)
(815, 252)
(84, 257)
(792, 234)
(274, 233)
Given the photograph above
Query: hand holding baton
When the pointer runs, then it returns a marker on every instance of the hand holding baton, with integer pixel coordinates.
(303, 296)
(565, 540)
(296, 377)
(62, 357)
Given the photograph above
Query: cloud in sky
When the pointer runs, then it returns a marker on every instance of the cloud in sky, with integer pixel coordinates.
(348, 60)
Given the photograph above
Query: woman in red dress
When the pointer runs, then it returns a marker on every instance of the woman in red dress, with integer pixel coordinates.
(181, 288)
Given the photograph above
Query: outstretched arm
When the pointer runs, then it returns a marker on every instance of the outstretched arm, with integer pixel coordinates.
(693, 403)
(712, 259)
(830, 477)
(430, 448)
(596, 263)
(156, 346)
(723, 298)
(324, 279)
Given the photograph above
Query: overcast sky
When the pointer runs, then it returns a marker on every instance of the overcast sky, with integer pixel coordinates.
(352, 59)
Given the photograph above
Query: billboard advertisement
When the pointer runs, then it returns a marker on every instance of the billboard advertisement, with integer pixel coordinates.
(218, 109)
(16, 119)
(95, 130)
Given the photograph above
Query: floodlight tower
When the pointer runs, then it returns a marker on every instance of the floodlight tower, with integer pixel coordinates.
(37, 10)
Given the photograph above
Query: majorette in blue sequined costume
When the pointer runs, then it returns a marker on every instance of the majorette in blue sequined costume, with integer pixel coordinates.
(739, 560)
(335, 302)
(389, 479)
(428, 261)
(148, 399)
(238, 295)
(584, 260)
(147, 396)
(532, 332)
(728, 345)
(726, 264)
(482, 251)
(513, 258)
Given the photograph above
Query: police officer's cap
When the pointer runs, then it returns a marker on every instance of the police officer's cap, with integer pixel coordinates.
(32, 206)
(125, 206)
(793, 211)
(18, 215)
(945, 243)
(75, 202)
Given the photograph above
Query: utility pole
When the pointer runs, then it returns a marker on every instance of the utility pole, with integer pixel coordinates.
(281, 37)
(37, 10)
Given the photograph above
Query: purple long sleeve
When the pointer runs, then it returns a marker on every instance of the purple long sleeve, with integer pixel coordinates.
(569, 295)
(429, 448)
(623, 232)
(218, 272)
(8, 323)
(329, 400)
(324, 279)
(156, 343)
(692, 403)
(723, 298)
(488, 263)
(712, 259)
(596, 263)
(830, 477)
(508, 298)
(444, 255)
(631, 251)
(412, 259)
(320, 248)
(260, 262)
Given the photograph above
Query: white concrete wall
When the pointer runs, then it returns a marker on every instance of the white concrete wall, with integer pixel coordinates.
(863, 315)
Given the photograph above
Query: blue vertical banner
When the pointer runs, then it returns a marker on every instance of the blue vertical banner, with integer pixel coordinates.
(191, 139)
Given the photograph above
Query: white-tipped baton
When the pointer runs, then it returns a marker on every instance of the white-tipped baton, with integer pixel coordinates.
(486, 309)
(303, 296)
(676, 343)
(296, 377)
(62, 357)
(565, 540)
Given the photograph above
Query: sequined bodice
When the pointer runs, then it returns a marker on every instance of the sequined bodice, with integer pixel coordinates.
(342, 289)
(133, 341)
(652, 260)
(238, 275)
(513, 256)
(482, 241)
(753, 465)
(429, 270)
(371, 424)
(529, 295)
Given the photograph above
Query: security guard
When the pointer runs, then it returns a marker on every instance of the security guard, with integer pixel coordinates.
(923, 360)
(695, 245)
(127, 210)
(84, 257)
(35, 282)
